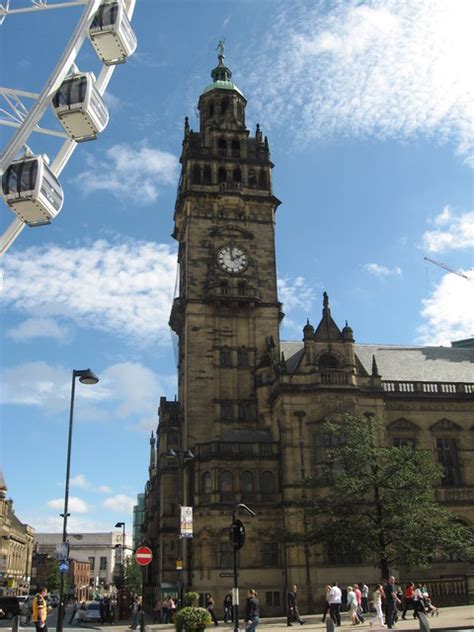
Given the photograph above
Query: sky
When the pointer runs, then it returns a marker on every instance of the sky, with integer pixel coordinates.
(368, 110)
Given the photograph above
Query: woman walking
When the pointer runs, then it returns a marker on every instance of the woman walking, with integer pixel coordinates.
(352, 605)
(377, 597)
(211, 606)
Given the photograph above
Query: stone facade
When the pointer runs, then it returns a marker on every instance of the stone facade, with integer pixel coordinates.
(251, 407)
(16, 548)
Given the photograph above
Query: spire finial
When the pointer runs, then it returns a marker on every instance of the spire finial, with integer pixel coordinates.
(221, 51)
(325, 300)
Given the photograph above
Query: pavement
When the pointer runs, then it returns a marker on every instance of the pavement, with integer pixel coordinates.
(453, 618)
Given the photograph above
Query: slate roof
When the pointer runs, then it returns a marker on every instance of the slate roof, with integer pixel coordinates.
(424, 364)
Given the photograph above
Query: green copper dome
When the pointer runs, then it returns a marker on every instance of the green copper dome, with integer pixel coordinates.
(221, 75)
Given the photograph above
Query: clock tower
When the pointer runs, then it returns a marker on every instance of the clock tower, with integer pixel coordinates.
(226, 317)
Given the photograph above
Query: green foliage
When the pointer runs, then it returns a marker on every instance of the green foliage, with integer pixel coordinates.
(53, 580)
(192, 619)
(133, 576)
(191, 598)
(379, 501)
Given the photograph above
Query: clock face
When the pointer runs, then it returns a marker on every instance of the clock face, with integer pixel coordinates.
(232, 259)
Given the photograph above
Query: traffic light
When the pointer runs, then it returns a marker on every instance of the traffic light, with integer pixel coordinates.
(237, 534)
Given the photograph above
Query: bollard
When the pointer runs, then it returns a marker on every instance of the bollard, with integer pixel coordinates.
(329, 624)
(424, 623)
(16, 623)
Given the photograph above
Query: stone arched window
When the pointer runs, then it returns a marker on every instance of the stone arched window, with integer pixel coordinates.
(210, 108)
(196, 175)
(206, 175)
(235, 145)
(222, 175)
(252, 179)
(267, 483)
(206, 484)
(222, 147)
(247, 486)
(328, 361)
(240, 111)
(224, 105)
(262, 179)
(226, 485)
(237, 175)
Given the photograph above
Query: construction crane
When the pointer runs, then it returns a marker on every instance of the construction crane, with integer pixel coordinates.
(443, 265)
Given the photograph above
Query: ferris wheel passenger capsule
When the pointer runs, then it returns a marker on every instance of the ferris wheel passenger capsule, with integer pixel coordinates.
(80, 108)
(111, 33)
(32, 191)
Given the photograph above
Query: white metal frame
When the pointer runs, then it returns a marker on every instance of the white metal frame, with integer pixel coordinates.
(27, 121)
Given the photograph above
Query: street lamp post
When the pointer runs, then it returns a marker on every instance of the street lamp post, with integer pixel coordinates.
(122, 566)
(86, 376)
(237, 534)
(182, 457)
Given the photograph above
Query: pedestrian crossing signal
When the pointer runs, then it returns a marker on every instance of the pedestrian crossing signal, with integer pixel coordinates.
(237, 534)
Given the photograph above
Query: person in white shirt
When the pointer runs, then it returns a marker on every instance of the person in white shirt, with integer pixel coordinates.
(334, 600)
(377, 600)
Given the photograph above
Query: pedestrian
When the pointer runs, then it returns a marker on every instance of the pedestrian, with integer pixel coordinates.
(157, 610)
(408, 599)
(365, 597)
(360, 612)
(377, 601)
(211, 606)
(171, 609)
(136, 612)
(293, 613)
(165, 610)
(228, 612)
(326, 607)
(352, 605)
(335, 600)
(40, 610)
(391, 601)
(75, 608)
(252, 614)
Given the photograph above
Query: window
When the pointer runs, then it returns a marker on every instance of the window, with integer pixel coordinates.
(328, 361)
(242, 358)
(448, 458)
(222, 175)
(339, 555)
(225, 358)
(252, 179)
(92, 562)
(270, 554)
(211, 108)
(225, 555)
(262, 179)
(224, 104)
(196, 176)
(242, 288)
(235, 149)
(240, 111)
(404, 442)
(222, 147)
(224, 288)
(237, 175)
(226, 485)
(227, 410)
(245, 410)
(103, 563)
(267, 483)
(272, 598)
(206, 483)
(247, 486)
(323, 442)
(206, 176)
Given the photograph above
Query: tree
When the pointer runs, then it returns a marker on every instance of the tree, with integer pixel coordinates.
(378, 501)
(53, 581)
(133, 576)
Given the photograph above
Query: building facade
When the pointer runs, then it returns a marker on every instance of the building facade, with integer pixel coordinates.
(251, 407)
(16, 548)
(102, 552)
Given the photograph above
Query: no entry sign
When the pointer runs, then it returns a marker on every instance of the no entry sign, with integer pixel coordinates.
(143, 555)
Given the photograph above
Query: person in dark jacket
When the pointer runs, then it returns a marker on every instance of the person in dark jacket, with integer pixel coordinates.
(252, 615)
(293, 613)
(228, 612)
(211, 606)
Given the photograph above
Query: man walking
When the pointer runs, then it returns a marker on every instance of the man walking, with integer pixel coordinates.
(391, 601)
(293, 612)
(335, 600)
(40, 611)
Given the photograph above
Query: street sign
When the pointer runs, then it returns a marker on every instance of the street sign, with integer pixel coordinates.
(143, 555)
(62, 551)
(64, 566)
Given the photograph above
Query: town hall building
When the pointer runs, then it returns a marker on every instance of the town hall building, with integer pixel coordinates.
(247, 424)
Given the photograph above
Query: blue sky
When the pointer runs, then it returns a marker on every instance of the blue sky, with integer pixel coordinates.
(368, 110)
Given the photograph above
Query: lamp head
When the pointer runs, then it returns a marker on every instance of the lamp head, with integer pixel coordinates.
(119, 524)
(87, 376)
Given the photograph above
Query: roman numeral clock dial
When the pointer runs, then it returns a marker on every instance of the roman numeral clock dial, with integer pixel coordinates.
(232, 259)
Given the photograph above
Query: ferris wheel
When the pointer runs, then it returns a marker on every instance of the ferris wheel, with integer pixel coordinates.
(31, 187)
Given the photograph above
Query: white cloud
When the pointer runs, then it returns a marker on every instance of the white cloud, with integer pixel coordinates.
(125, 288)
(120, 503)
(129, 173)
(127, 391)
(453, 232)
(54, 524)
(295, 294)
(382, 271)
(103, 489)
(39, 328)
(79, 481)
(75, 505)
(385, 68)
(449, 311)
